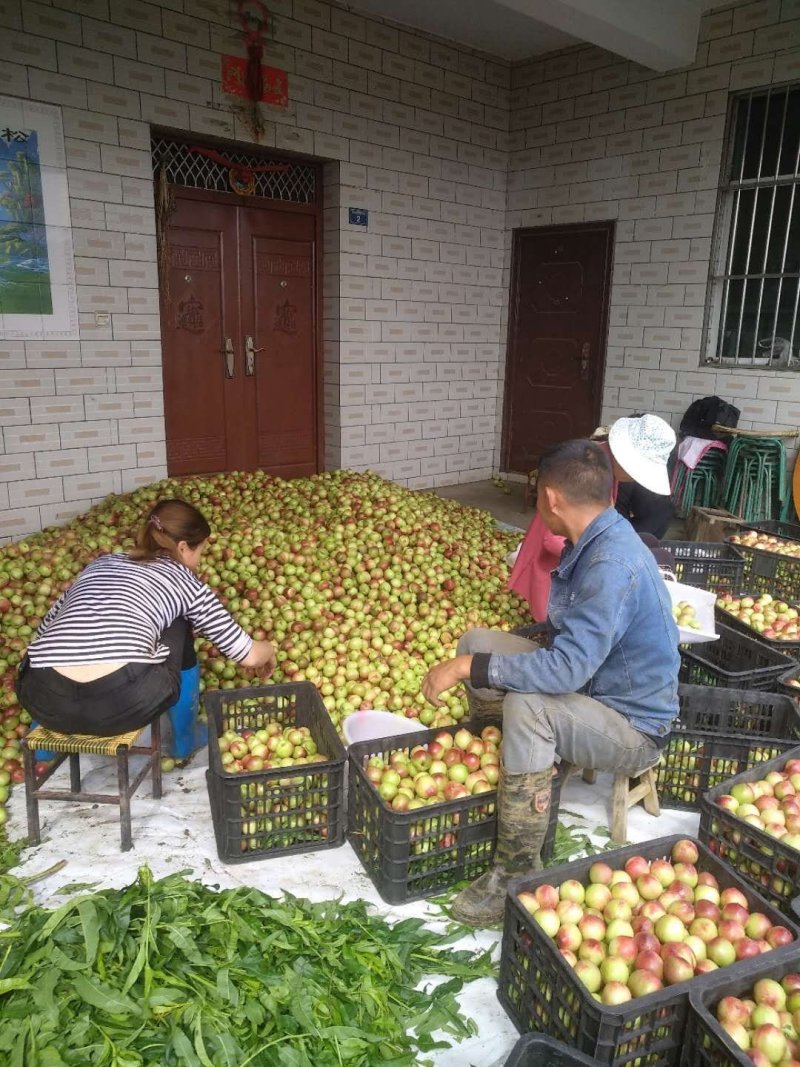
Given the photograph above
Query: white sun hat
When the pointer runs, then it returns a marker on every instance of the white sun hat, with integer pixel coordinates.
(641, 446)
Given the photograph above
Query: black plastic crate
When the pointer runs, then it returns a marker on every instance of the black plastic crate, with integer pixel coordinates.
(789, 648)
(540, 991)
(718, 733)
(707, 1044)
(259, 814)
(735, 661)
(771, 572)
(412, 854)
(538, 1050)
(789, 531)
(706, 564)
(786, 687)
(761, 860)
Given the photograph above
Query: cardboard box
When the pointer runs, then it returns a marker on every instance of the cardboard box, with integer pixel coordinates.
(711, 524)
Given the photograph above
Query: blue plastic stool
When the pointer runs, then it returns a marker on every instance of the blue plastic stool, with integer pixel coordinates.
(42, 753)
(187, 733)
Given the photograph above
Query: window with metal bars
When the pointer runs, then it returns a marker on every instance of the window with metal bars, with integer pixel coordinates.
(753, 309)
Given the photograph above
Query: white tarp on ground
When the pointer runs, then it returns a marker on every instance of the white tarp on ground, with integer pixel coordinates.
(176, 833)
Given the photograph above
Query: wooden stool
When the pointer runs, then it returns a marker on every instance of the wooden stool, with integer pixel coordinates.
(624, 795)
(120, 746)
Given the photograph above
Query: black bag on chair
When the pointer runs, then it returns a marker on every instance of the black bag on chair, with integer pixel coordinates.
(701, 415)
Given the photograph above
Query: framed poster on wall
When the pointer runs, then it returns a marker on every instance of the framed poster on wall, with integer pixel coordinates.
(38, 300)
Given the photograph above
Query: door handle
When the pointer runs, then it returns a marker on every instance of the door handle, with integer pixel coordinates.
(228, 353)
(250, 356)
(585, 350)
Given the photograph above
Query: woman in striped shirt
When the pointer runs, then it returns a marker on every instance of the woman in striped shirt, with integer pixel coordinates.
(110, 654)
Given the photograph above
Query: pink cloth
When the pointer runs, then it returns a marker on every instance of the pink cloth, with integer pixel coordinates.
(530, 576)
(692, 449)
(539, 554)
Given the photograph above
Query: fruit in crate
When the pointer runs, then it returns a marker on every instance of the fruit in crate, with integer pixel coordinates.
(771, 804)
(450, 767)
(651, 924)
(685, 615)
(765, 1023)
(268, 748)
(766, 543)
(773, 618)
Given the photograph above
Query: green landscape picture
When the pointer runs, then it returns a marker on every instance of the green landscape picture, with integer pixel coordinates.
(24, 266)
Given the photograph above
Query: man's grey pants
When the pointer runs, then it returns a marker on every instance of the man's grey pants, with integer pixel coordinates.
(539, 726)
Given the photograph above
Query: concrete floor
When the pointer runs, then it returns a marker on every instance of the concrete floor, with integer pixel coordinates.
(510, 507)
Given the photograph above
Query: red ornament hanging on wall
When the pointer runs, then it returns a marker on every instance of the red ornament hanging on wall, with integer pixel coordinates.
(241, 177)
(273, 83)
(250, 78)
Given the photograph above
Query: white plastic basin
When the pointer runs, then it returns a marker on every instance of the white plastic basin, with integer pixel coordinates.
(372, 725)
(703, 601)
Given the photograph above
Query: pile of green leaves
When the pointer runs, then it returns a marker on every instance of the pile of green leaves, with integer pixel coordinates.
(171, 972)
(574, 841)
(10, 852)
(14, 891)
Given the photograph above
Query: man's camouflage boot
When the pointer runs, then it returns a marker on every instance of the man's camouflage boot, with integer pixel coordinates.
(523, 808)
(483, 711)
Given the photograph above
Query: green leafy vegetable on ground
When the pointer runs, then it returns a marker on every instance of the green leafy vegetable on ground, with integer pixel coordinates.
(14, 891)
(572, 842)
(10, 852)
(174, 974)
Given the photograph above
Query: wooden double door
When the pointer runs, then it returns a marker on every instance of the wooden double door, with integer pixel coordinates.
(241, 375)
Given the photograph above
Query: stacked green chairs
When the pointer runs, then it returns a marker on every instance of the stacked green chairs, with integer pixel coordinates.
(699, 487)
(755, 486)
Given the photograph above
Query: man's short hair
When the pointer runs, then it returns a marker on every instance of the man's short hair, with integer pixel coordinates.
(580, 470)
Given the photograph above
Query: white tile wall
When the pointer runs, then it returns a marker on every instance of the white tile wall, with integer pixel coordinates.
(653, 157)
(450, 151)
(415, 131)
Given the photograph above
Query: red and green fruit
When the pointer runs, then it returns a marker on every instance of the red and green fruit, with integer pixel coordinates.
(267, 749)
(760, 1024)
(667, 940)
(771, 804)
(361, 585)
(769, 616)
(766, 543)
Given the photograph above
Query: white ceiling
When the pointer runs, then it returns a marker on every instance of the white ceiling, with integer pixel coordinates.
(485, 25)
(661, 34)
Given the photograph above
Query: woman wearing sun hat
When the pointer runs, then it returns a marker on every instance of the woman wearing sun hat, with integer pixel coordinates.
(638, 448)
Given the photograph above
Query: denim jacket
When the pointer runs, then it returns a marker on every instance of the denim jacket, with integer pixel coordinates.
(615, 638)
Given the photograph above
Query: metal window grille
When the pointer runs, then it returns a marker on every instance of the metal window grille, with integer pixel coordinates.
(192, 170)
(753, 320)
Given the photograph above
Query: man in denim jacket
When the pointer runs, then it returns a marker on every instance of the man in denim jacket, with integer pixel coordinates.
(602, 696)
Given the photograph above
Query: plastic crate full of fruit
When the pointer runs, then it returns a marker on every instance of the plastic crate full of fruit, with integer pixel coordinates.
(603, 953)
(276, 772)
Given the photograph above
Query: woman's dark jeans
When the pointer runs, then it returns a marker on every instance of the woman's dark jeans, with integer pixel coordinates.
(127, 699)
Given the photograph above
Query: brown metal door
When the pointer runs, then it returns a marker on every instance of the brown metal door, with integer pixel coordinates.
(239, 334)
(199, 321)
(557, 336)
(277, 257)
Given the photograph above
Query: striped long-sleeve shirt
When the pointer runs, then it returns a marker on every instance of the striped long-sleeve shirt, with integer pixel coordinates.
(117, 609)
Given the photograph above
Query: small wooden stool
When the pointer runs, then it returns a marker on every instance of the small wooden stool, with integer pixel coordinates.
(120, 746)
(623, 797)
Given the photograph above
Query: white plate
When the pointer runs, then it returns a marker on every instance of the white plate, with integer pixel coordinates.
(702, 600)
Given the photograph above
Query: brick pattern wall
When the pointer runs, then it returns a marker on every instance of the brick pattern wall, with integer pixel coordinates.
(412, 128)
(595, 137)
(449, 151)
